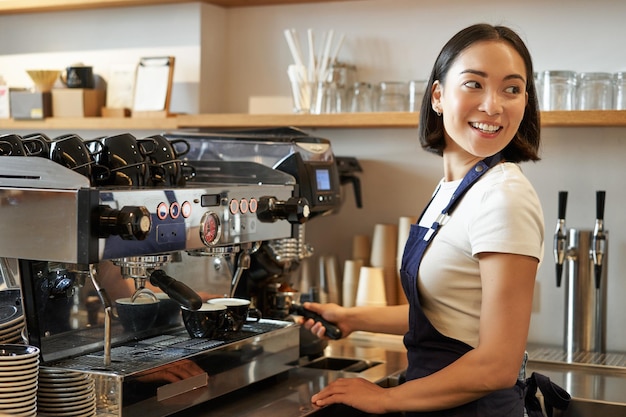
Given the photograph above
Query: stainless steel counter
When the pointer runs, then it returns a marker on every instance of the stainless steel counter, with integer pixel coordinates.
(596, 390)
(596, 382)
(289, 394)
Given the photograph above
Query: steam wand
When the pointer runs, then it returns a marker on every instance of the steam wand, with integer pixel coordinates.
(560, 237)
(108, 312)
(598, 241)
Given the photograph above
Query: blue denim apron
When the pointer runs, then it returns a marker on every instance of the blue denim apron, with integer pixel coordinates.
(428, 350)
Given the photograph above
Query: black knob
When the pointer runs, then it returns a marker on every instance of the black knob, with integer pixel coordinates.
(129, 222)
(295, 210)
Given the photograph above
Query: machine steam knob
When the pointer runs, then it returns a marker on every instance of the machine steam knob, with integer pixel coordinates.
(295, 210)
(129, 222)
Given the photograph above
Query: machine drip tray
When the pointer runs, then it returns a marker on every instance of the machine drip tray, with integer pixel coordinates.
(137, 356)
(560, 356)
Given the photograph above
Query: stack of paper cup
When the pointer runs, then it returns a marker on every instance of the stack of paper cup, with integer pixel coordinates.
(331, 272)
(351, 270)
(404, 228)
(371, 287)
(384, 253)
(361, 248)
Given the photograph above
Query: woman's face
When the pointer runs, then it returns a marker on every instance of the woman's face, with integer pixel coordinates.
(483, 99)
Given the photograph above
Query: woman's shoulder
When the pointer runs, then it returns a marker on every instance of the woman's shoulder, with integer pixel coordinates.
(506, 184)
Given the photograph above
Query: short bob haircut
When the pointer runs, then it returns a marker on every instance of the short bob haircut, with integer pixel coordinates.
(525, 145)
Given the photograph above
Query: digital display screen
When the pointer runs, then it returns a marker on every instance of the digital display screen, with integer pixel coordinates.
(323, 179)
(210, 200)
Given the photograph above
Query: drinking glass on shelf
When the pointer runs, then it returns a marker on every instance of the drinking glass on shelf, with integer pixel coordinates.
(620, 91)
(393, 96)
(559, 90)
(595, 91)
(417, 88)
(362, 98)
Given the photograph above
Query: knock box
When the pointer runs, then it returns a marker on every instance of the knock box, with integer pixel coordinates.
(77, 102)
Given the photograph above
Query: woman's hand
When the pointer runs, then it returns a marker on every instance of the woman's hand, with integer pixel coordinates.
(331, 312)
(354, 392)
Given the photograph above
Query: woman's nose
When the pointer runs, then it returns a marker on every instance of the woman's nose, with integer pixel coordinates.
(492, 103)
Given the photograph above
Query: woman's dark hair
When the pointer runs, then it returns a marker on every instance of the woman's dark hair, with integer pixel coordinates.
(525, 144)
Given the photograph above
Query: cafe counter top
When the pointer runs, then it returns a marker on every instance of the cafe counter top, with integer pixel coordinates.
(595, 390)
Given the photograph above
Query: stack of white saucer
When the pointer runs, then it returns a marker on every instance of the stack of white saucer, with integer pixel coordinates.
(19, 369)
(66, 393)
(11, 319)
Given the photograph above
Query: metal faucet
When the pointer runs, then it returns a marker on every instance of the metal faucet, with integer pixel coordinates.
(560, 237)
(598, 240)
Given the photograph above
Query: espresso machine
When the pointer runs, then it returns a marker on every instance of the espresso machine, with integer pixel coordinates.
(272, 278)
(61, 229)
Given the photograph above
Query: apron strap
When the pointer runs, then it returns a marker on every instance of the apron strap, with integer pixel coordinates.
(553, 396)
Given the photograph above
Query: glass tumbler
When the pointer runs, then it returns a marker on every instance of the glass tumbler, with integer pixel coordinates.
(393, 96)
(417, 88)
(559, 90)
(595, 91)
(362, 98)
(619, 96)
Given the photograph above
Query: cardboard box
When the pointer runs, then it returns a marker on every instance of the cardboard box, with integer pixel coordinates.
(29, 105)
(77, 102)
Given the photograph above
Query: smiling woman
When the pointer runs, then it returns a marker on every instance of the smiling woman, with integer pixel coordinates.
(470, 262)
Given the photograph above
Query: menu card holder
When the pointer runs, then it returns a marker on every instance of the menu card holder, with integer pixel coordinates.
(153, 87)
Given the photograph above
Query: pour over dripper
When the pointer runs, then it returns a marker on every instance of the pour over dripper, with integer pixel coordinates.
(44, 79)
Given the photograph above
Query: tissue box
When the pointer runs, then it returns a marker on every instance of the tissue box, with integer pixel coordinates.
(77, 102)
(29, 105)
(5, 109)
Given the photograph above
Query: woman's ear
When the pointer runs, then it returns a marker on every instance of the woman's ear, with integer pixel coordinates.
(435, 97)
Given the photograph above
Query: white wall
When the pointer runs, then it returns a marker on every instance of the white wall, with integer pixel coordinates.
(387, 40)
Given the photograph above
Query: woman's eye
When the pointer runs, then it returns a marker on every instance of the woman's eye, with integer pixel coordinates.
(513, 89)
(472, 84)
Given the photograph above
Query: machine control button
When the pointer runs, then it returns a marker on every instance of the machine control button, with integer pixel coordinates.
(129, 222)
(162, 211)
(234, 206)
(243, 206)
(254, 204)
(175, 210)
(296, 210)
(210, 228)
(185, 209)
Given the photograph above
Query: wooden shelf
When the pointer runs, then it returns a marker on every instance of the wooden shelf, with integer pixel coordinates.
(38, 6)
(613, 118)
(90, 123)
(337, 120)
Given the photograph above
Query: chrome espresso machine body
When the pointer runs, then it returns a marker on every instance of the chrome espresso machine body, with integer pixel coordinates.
(60, 229)
(319, 175)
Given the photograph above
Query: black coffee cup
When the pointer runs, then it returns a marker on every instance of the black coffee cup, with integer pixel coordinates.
(126, 158)
(166, 167)
(137, 315)
(239, 311)
(73, 152)
(15, 145)
(78, 76)
(207, 322)
(42, 140)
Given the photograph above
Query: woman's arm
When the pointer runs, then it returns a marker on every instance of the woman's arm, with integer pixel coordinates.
(508, 282)
(390, 319)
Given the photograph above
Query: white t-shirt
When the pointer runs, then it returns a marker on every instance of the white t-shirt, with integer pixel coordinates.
(499, 213)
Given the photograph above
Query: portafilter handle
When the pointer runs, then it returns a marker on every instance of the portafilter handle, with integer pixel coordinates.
(178, 291)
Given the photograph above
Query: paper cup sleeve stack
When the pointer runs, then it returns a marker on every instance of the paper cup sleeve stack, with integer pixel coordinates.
(372, 277)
